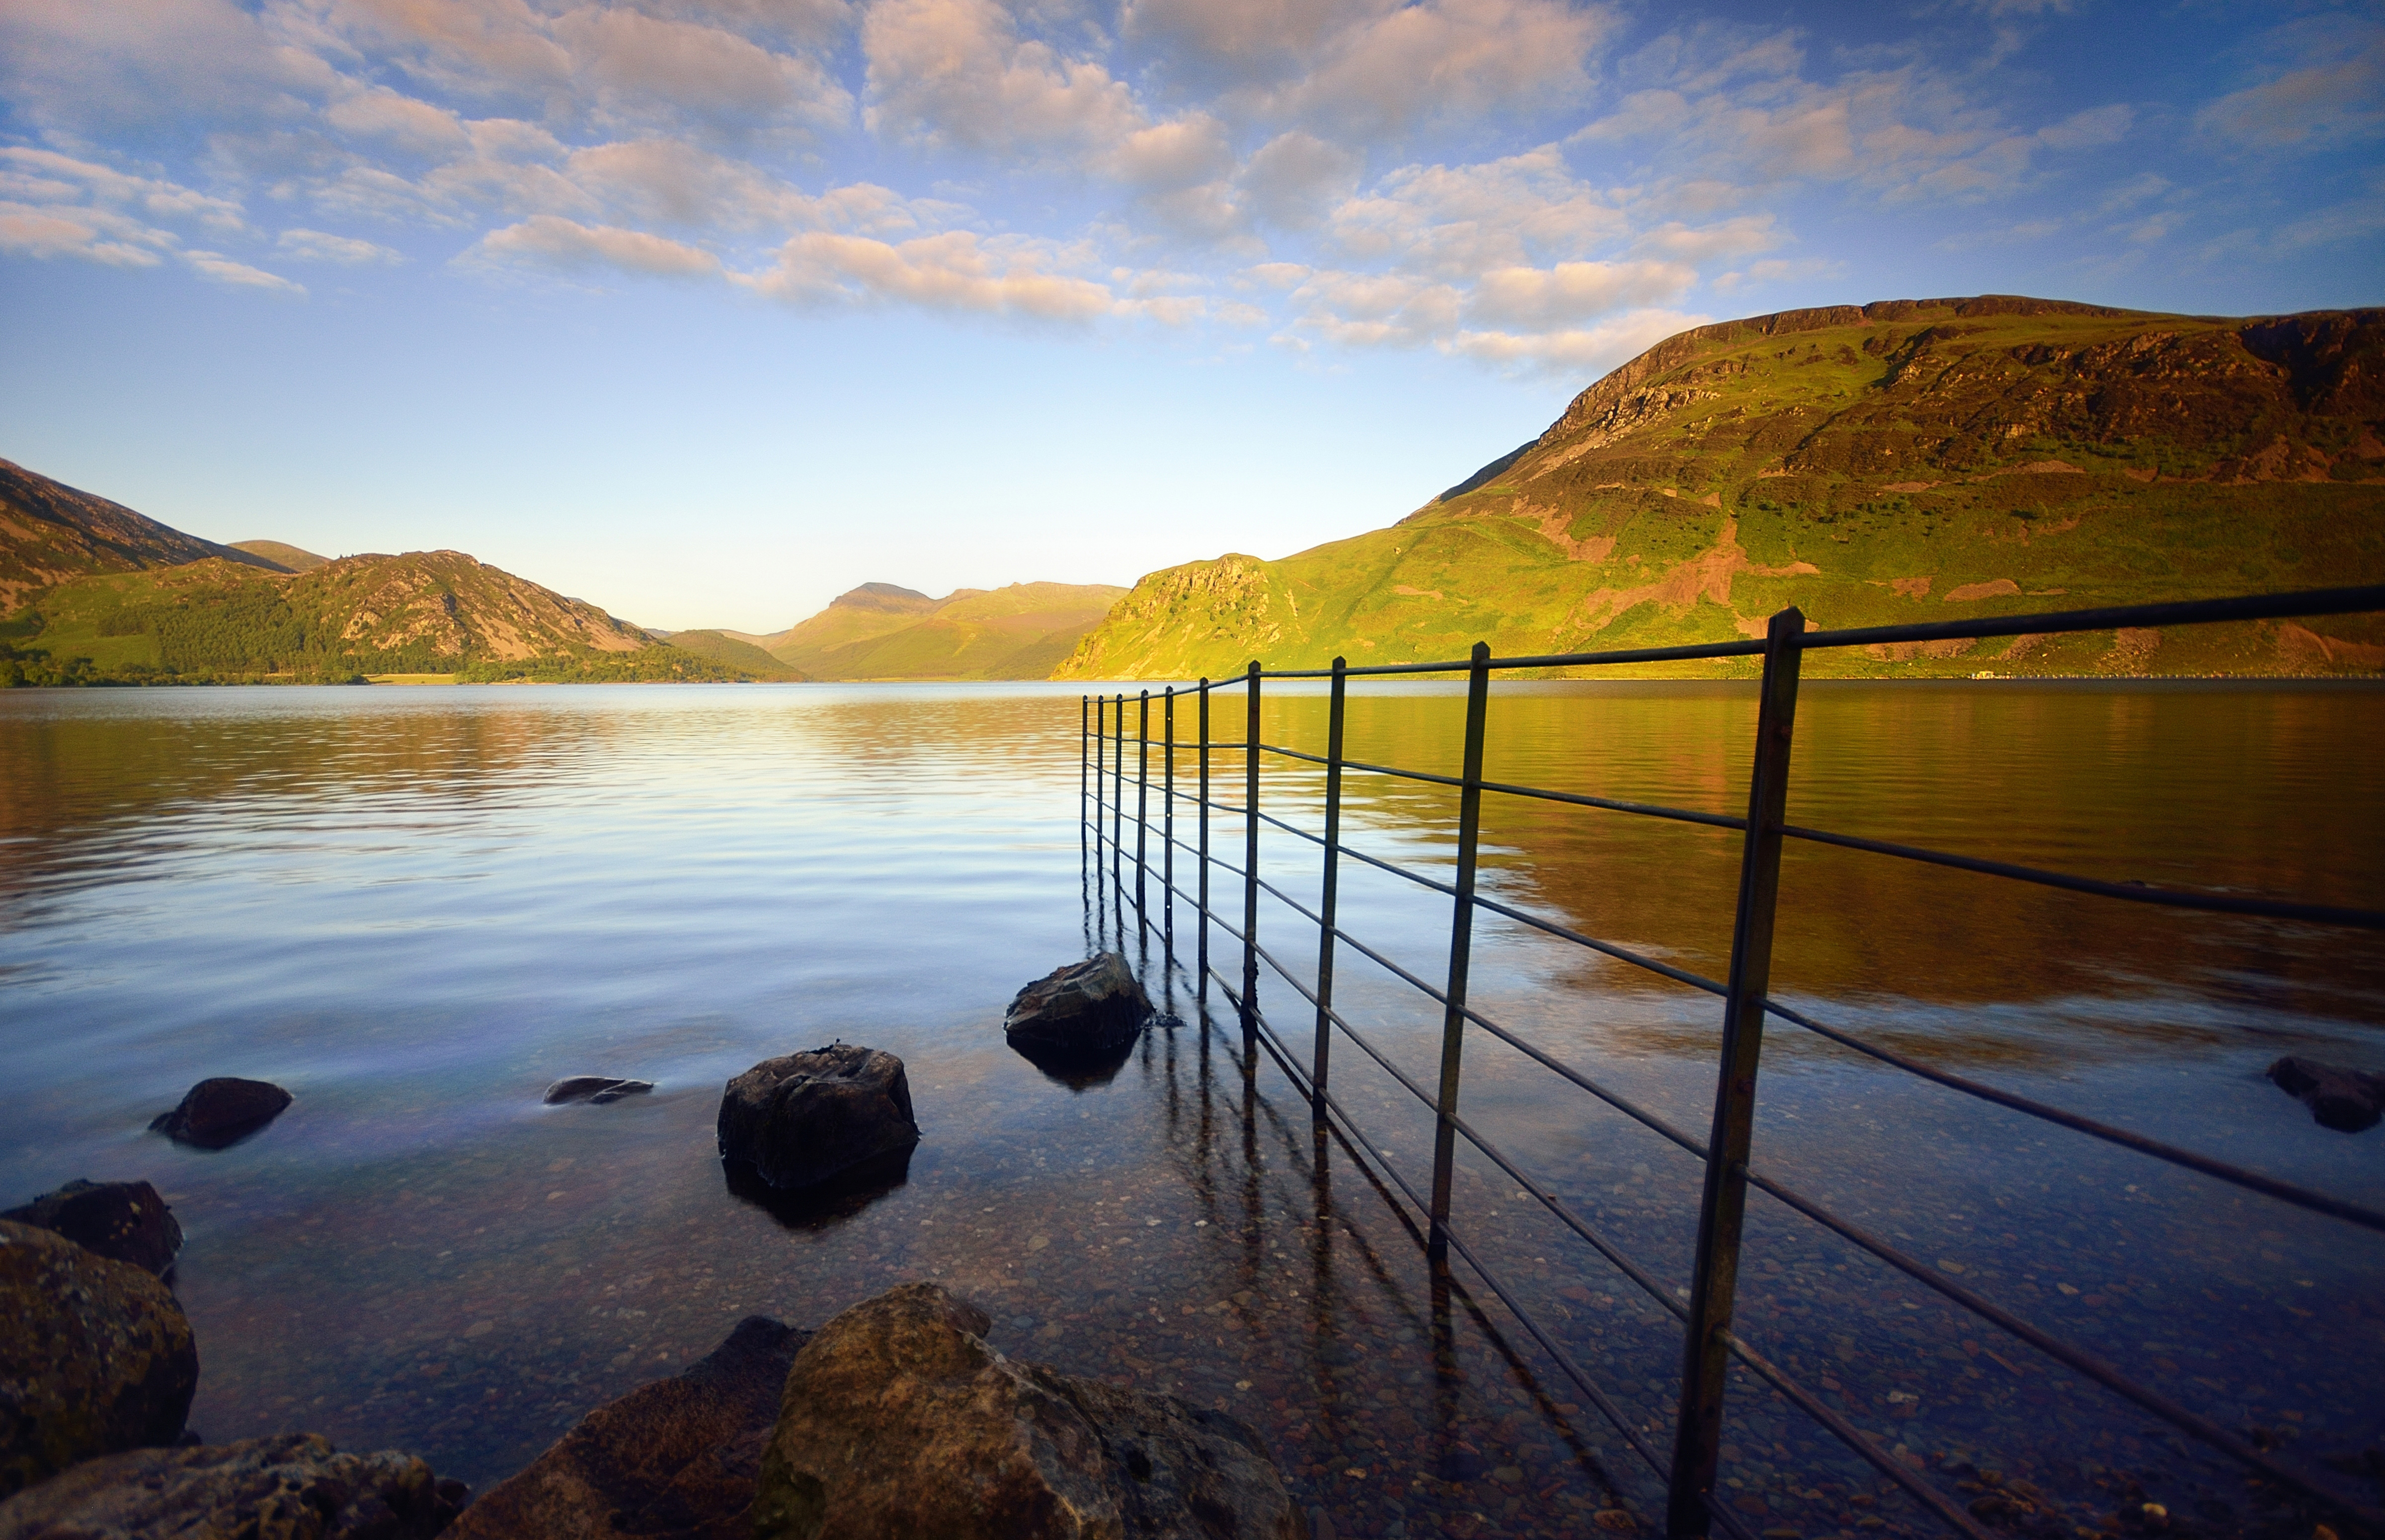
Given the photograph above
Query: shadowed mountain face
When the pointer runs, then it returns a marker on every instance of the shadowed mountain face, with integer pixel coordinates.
(879, 631)
(1898, 462)
(50, 533)
(282, 554)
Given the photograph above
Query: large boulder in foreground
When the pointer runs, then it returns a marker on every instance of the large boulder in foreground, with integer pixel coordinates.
(803, 1120)
(95, 1357)
(2338, 1098)
(1088, 1010)
(125, 1221)
(216, 1112)
(898, 1420)
(672, 1461)
(291, 1487)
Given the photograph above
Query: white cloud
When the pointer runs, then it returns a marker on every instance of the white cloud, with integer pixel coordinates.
(1546, 298)
(314, 245)
(2336, 97)
(957, 270)
(219, 268)
(956, 72)
(549, 241)
(1577, 351)
(1446, 58)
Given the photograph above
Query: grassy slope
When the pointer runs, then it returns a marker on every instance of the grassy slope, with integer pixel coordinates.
(52, 533)
(735, 653)
(1902, 462)
(425, 611)
(283, 553)
(1020, 632)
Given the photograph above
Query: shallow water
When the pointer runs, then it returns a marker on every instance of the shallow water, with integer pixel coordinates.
(416, 908)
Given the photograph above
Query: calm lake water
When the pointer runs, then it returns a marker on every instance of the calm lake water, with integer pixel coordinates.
(415, 908)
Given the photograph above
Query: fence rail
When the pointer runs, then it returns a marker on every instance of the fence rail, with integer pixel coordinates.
(1690, 1469)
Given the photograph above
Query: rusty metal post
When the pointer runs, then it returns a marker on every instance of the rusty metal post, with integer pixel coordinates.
(1200, 989)
(1168, 832)
(1101, 768)
(1461, 947)
(1142, 808)
(1084, 769)
(1714, 1285)
(1331, 889)
(1251, 862)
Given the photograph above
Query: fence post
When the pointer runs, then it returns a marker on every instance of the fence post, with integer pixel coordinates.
(1461, 947)
(1714, 1285)
(1101, 769)
(1200, 988)
(1085, 767)
(1117, 812)
(1141, 809)
(1167, 833)
(1251, 862)
(1331, 888)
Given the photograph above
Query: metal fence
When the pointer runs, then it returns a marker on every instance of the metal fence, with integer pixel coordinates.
(1690, 1468)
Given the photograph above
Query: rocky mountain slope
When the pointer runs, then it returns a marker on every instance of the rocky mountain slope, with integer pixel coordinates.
(880, 631)
(50, 532)
(104, 594)
(1902, 460)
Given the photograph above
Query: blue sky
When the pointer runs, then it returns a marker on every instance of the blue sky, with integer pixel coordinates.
(706, 310)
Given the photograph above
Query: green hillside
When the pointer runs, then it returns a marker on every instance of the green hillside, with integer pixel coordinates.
(52, 533)
(1902, 460)
(879, 631)
(735, 653)
(282, 554)
(436, 612)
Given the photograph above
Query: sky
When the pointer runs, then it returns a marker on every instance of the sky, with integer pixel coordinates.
(707, 310)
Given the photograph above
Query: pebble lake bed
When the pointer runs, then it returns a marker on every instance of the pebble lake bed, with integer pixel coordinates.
(416, 910)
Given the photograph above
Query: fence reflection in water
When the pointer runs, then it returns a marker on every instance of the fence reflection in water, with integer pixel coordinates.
(1687, 1459)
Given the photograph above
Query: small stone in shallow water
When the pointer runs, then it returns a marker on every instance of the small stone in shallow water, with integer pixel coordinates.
(597, 1088)
(125, 1221)
(2341, 1097)
(221, 1110)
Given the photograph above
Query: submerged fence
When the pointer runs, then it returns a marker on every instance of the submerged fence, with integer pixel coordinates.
(1691, 1468)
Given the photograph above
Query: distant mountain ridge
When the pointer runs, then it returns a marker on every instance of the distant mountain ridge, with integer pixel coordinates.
(885, 631)
(1899, 461)
(282, 554)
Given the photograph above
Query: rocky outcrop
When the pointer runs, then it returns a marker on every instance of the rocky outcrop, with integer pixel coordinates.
(292, 1486)
(125, 1221)
(897, 1420)
(1088, 1010)
(807, 1119)
(216, 1112)
(2338, 1096)
(672, 1461)
(96, 1357)
(593, 1088)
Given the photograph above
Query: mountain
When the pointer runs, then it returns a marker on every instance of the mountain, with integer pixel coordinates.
(101, 594)
(285, 556)
(1901, 461)
(734, 651)
(50, 532)
(880, 631)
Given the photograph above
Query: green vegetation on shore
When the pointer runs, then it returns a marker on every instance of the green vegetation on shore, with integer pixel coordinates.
(1903, 462)
(879, 631)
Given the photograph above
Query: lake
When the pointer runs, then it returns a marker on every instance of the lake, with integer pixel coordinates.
(417, 907)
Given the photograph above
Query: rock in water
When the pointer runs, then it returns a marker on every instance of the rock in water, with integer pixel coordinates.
(291, 1487)
(2338, 1096)
(125, 1221)
(595, 1087)
(1086, 1010)
(218, 1111)
(897, 1419)
(96, 1357)
(672, 1461)
(806, 1118)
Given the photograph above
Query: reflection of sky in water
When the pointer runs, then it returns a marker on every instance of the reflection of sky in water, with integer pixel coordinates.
(416, 908)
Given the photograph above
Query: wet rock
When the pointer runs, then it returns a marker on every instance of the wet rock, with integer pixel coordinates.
(672, 1461)
(1088, 1010)
(125, 1221)
(291, 1487)
(218, 1111)
(598, 1088)
(802, 1120)
(2338, 1096)
(96, 1357)
(897, 1419)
